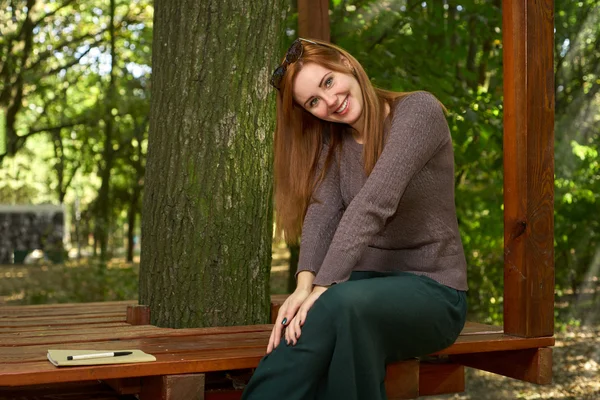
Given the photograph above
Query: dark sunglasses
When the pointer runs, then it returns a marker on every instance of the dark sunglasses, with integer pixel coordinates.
(291, 56)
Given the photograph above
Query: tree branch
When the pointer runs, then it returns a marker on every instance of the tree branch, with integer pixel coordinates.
(67, 65)
(51, 13)
(47, 54)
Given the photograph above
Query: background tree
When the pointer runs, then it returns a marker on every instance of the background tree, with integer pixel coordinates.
(207, 228)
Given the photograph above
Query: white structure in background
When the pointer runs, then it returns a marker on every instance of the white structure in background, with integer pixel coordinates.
(25, 228)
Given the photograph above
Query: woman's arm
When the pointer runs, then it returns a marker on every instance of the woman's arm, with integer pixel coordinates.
(322, 216)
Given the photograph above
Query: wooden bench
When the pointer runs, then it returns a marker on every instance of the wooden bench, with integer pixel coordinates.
(189, 360)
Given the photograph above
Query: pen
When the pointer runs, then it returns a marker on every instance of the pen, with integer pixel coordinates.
(99, 355)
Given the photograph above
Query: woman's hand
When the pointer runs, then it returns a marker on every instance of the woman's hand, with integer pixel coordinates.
(286, 313)
(293, 330)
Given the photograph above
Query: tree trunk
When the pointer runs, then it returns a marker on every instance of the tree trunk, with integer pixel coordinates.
(131, 216)
(207, 207)
(103, 209)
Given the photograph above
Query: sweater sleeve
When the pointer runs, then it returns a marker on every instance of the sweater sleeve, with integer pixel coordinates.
(418, 130)
(322, 216)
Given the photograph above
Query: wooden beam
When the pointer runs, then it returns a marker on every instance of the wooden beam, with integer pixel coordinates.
(138, 315)
(173, 387)
(531, 365)
(313, 19)
(402, 380)
(125, 385)
(436, 379)
(528, 42)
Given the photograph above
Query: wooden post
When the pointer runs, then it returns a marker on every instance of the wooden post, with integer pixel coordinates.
(528, 42)
(173, 387)
(138, 315)
(529, 365)
(313, 19)
(402, 380)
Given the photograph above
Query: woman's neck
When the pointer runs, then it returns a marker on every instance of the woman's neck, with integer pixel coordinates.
(357, 134)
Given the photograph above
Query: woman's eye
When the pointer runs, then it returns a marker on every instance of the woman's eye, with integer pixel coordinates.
(328, 82)
(313, 102)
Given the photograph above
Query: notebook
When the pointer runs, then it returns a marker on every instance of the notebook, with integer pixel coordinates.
(59, 357)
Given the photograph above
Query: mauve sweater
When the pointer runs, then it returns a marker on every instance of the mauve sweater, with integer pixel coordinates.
(400, 218)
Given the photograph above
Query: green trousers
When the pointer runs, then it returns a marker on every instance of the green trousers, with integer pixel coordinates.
(353, 330)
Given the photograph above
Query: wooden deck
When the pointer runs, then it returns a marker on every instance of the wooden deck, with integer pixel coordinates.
(27, 332)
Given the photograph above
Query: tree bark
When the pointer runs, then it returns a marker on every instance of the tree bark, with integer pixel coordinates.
(132, 213)
(103, 217)
(207, 207)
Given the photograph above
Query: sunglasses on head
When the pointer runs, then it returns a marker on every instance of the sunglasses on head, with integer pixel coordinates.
(291, 56)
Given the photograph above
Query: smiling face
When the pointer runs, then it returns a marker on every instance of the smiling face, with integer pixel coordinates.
(329, 95)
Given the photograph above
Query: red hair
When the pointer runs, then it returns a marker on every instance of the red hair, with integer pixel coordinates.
(299, 135)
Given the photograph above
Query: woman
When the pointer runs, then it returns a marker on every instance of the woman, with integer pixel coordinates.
(368, 175)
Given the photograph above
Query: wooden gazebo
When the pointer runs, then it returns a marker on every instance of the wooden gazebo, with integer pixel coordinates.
(528, 37)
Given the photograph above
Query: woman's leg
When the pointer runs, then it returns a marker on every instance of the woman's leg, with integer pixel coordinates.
(293, 372)
(382, 320)
(353, 330)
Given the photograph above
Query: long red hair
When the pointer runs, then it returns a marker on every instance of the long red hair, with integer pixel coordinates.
(299, 135)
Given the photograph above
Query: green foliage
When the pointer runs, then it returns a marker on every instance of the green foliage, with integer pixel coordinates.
(56, 71)
(454, 50)
(57, 139)
(71, 283)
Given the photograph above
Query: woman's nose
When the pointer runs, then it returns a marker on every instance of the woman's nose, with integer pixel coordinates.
(331, 100)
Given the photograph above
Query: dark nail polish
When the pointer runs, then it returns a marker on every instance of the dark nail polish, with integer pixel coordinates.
(284, 321)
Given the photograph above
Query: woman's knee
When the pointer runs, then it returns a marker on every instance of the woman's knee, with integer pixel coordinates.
(345, 299)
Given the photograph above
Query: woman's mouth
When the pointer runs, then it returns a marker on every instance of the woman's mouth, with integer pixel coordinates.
(343, 108)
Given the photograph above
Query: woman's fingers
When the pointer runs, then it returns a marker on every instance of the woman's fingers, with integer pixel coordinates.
(286, 324)
(280, 324)
(270, 346)
(301, 316)
(292, 332)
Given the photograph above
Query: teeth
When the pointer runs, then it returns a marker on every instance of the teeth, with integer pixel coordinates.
(343, 106)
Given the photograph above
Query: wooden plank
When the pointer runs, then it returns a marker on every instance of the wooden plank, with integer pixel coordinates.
(313, 19)
(69, 330)
(42, 319)
(51, 337)
(494, 342)
(528, 42)
(445, 378)
(177, 341)
(198, 362)
(70, 306)
(173, 387)
(197, 356)
(82, 334)
(58, 322)
(30, 329)
(402, 380)
(64, 313)
(530, 365)
(155, 346)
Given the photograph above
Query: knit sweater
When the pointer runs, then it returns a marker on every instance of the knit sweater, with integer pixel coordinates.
(402, 217)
